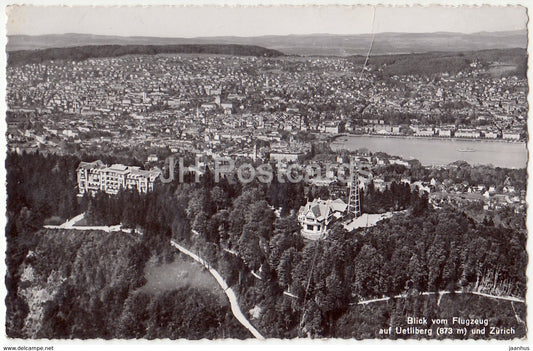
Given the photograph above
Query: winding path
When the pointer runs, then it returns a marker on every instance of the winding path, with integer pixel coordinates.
(104, 228)
(235, 309)
(71, 224)
(441, 293)
(227, 290)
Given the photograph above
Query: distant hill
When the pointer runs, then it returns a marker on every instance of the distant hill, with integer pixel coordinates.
(515, 60)
(94, 51)
(311, 44)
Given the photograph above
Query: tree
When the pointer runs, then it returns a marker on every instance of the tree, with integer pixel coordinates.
(219, 197)
(200, 224)
(367, 272)
(134, 317)
(197, 203)
(313, 320)
(287, 262)
(417, 273)
(249, 248)
(262, 217)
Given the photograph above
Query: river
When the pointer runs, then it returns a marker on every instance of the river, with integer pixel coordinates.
(436, 152)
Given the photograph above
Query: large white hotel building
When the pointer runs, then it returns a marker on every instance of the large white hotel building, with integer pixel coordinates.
(96, 176)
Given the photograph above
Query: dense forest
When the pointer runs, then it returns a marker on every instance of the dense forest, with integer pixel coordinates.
(439, 62)
(38, 187)
(365, 321)
(429, 251)
(81, 53)
(102, 300)
(240, 231)
(86, 300)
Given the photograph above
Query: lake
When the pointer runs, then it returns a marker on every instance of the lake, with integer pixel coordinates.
(437, 152)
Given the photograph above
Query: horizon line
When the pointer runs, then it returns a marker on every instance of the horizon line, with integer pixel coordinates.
(265, 35)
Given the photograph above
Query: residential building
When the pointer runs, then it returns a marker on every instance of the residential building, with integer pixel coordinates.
(279, 156)
(445, 133)
(332, 128)
(426, 132)
(511, 135)
(467, 133)
(490, 134)
(316, 216)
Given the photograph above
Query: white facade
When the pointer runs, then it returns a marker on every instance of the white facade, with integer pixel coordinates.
(491, 135)
(399, 162)
(285, 156)
(315, 217)
(511, 135)
(445, 133)
(425, 132)
(96, 176)
(332, 129)
(467, 133)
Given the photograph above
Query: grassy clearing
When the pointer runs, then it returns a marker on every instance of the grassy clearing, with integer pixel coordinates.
(180, 273)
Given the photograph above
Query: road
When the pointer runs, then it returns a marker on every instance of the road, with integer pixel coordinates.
(229, 291)
(104, 228)
(71, 224)
(235, 309)
(506, 298)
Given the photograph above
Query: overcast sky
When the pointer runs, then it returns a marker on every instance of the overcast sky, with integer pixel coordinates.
(254, 21)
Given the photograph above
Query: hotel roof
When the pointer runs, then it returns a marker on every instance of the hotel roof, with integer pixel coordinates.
(94, 164)
(321, 209)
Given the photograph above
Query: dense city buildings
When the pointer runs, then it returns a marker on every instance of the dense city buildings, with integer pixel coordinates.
(225, 103)
(259, 109)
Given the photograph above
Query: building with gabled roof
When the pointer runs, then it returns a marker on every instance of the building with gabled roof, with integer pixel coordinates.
(317, 215)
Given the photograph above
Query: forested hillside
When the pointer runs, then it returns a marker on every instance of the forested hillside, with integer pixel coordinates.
(61, 282)
(237, 231)
(432, 63)
(38, 187)
(80, 53)
(84, 285)
(72, 284)
(366, 321)
(301, 44)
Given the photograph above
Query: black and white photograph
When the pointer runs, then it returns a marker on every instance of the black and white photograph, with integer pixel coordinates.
(330, 172)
